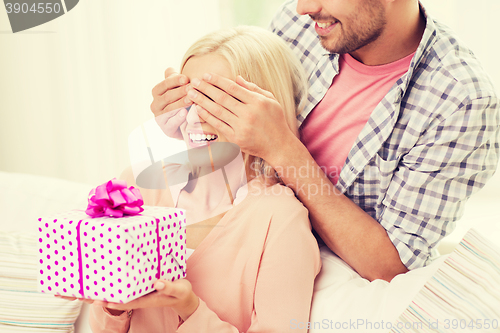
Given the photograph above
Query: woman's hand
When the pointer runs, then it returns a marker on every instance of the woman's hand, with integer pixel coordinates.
(90, 301)
(69, 298)
(177, 295)
(243, 112)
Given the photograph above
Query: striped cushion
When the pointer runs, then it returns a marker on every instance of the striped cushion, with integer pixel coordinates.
(22, 308)
(462, 296)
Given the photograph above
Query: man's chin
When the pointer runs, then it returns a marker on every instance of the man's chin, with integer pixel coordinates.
(336, 47)
(327, 45)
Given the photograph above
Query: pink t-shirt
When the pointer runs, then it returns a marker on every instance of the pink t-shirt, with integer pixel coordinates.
(331, 128)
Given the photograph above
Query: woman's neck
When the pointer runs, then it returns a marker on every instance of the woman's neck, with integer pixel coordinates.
(211, 193)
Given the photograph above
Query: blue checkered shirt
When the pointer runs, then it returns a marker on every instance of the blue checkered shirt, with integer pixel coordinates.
(429, 144)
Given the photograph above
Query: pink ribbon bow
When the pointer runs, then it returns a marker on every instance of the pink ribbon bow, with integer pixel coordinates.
(114, 199)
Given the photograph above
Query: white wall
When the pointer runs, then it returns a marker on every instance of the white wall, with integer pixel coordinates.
(74, 88)
(477, 24)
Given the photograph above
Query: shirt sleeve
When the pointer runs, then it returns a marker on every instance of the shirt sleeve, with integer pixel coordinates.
(282, 17)
(284, 287)
(103, 322)
(452, 160)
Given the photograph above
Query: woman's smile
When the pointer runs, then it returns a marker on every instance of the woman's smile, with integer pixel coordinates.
(200, 138)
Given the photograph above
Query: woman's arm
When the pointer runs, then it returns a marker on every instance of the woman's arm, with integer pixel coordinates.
(284, 288)
(102, 321)
(114, 320)
(284, 285)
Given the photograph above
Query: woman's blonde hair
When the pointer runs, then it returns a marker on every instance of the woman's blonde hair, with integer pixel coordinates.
(263, 58)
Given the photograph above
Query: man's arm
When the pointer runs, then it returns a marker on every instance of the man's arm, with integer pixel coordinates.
(251, 118)
(345, 228)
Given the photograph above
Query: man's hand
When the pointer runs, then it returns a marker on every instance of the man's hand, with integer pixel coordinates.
(244, 113)
(253, 119)
(170, 102)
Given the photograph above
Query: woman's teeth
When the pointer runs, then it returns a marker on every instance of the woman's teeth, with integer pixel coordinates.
(202, 137)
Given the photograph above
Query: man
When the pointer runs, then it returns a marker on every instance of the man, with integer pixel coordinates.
(401, 127)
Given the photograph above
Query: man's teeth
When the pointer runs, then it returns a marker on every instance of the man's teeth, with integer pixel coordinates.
(202, 137)
(324, 25)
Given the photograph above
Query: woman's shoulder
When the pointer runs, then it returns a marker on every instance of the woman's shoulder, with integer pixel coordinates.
(275, 209)
(257, 187)
(277, 198)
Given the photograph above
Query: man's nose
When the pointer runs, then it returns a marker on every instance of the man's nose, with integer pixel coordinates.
(308, 7)
(192, 116)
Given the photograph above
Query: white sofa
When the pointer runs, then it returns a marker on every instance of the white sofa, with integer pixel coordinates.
(24, 198)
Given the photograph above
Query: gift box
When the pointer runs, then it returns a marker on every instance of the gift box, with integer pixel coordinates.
(108, 258)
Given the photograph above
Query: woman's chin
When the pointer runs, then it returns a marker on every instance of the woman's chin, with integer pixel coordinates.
(199, 157)
(192, 144)
(214, 155)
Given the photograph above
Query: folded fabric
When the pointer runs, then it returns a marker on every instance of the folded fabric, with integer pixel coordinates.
(343, 301)
(462, 296)
(22, 308)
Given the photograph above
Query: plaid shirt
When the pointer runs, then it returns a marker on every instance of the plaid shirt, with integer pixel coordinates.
(429, 144)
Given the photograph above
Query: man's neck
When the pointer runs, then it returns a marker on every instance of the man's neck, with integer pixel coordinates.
(400, 38)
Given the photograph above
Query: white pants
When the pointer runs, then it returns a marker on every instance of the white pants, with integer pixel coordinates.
(345, 302)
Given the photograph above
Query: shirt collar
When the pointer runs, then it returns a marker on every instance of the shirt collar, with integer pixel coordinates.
(178, 178)
(428, 39)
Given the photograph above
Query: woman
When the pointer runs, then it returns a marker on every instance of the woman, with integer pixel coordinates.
(255, 258)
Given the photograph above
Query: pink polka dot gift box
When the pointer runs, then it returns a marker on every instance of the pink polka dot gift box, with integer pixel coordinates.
(114, 254)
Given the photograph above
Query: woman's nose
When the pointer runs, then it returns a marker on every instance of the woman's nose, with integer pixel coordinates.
(192, 116)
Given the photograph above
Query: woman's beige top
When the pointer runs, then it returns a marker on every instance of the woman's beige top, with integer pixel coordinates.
(254, 272)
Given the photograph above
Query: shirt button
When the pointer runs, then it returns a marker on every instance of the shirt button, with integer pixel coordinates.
(319, 88)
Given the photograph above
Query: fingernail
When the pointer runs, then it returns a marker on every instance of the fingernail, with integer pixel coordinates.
(187, 101)
(182, 113)
(207, 77)
(192, 94)
(183, 80)
(159, 285)
(196, 82)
